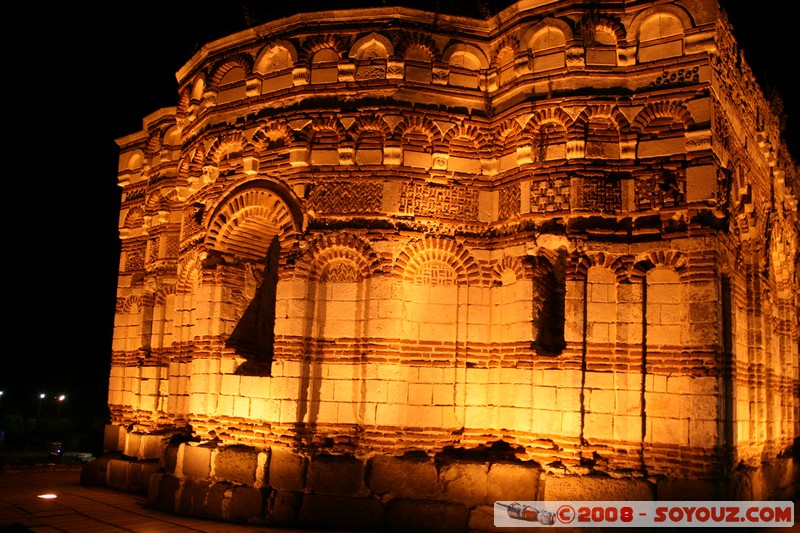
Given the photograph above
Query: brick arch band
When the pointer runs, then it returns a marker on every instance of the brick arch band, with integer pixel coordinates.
(447, 251)
(334, 247)
(246, 221)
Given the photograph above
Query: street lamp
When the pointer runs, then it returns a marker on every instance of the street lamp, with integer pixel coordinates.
(41, 397)
(60, 401)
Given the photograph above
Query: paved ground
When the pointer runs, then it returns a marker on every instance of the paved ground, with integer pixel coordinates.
(83, 509)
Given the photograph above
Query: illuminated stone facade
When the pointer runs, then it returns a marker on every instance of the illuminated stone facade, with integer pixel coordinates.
(381, 268)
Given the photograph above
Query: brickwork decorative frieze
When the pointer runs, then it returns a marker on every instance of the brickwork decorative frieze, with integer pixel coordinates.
(509, 202)
(439, 201)
(550, 195)
(172, 246)
(345, 197)
(677, 76)
(341, 272)
(192, 220)
(134, 194)
(657, 190)
(153, 250)
(134, 259)
(599, 194)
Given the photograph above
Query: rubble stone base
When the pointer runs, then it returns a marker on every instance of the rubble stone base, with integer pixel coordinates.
(282, 488)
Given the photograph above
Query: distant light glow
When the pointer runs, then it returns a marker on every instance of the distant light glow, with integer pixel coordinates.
(61, 398)
(48, 496)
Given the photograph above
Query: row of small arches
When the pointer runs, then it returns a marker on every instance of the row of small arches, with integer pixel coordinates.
(440, 253)
(550, 125)
(549, 37)
(422, 253)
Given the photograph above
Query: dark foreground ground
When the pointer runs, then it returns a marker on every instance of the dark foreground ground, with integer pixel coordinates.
(82, 509)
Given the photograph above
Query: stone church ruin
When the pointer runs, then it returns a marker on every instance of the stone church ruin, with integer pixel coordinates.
(382, 267)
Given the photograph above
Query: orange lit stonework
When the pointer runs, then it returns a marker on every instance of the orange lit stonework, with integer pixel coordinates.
(381, 267)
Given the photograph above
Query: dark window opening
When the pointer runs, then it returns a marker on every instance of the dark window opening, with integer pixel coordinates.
(549, 306)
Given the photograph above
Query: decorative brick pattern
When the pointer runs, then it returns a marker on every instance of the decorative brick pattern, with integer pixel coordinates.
(346, 197)
(509, 202)
(134, 259)
(451, 202)
(655, 191)
(550, 195)
(192, 219)
(173, 246)
(341, 272)
(153, 250)
(599, 195)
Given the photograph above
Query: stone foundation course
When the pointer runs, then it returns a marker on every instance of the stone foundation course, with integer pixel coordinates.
(415, 492)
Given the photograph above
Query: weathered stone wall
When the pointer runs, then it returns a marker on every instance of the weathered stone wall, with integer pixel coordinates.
(512, 232)
(451, 491)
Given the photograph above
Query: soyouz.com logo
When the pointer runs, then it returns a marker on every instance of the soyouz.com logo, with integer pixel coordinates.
(644, 514)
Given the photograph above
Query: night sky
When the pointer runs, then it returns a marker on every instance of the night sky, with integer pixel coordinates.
(81, 76)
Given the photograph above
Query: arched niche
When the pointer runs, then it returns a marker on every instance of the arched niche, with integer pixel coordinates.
(275, 63)
(504, 63)
(419, 53)
(602, 51)
(231, 86)
(371, 47)
(132, 161)
(465, 61)
(325, 66)
(549, 49)
(660, 32)
(546, 42)
(172, 137)
(246, 242)
(370, 54)
(198, 88)
(418, 62)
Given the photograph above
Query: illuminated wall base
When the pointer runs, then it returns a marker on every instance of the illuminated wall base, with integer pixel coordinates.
(451, 491)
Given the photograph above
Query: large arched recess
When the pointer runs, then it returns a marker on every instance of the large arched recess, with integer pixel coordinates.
(250, 230)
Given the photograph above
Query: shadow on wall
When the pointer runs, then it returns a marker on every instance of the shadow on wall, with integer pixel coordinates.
(254, 335)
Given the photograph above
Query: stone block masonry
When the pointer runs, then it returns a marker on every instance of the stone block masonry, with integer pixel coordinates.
(394, 276)
(452, 491)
